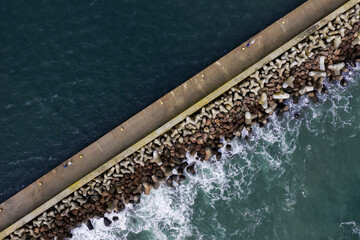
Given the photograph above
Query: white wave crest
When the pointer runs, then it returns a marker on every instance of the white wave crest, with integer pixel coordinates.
(175, 214)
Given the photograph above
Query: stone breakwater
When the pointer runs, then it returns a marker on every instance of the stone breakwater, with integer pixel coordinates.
(300, 71)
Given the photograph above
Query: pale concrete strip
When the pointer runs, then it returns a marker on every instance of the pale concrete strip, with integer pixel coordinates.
(204, 86)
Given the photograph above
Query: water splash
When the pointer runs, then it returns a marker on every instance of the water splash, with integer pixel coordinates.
(269, 153)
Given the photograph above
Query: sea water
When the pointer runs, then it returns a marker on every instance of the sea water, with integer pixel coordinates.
(71, 71)
(295, 178)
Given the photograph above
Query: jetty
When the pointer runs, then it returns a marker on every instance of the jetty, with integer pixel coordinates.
(287, 60)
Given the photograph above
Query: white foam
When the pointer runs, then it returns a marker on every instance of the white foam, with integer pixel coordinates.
(169, 214)
(354, 227)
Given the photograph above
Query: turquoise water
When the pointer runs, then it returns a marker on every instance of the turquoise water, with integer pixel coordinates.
(71, 71)
(294, 179)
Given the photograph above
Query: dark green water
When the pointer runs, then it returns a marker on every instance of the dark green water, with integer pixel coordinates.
(71, 71)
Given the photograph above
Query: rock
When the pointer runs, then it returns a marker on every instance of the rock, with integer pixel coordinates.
(112, 205)
(181, 178)
(313, 97)
(180, 171)
(159, 173)
(139, 189)
(324, 90)
(107, 222)
(179, 155)
(192, 152)
(263, 100)
(89, 225)
(101, 208)
(191, 169)
(199, 141)
(356, 41)
(248, 118)
(322, 63)
(136, 198)
(156, 158)
(228, 147)
(166, 170)
(184, 165)
(296, 98)
(115, 218)
(343, 83)
(317, 74)
(208, 154)
(44, 229)
(306, 89)
(218, 156)
(169, 182)
(147, 187)
(175, 159)
(336, 68)
(289, 82)
(281, 96)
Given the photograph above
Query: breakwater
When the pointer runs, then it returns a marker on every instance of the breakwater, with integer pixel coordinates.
(169, 152)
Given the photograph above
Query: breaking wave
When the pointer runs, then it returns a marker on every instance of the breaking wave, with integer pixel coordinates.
(220, 201)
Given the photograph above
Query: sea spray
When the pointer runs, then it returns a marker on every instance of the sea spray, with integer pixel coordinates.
(181, 213)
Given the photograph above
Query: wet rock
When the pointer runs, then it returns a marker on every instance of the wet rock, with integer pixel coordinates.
(192, 152)
(89, 225)
(218, 156)
(337, 68)
(208, 154)
(296, 99)
(181, 178)
(313, 97)
(180, 170)
(166, 170)
(191, 169)
(228, 147)
(107, 222)
(136, 198)
(169, 182)
(147, 187)
(305, 89)
(113, 205)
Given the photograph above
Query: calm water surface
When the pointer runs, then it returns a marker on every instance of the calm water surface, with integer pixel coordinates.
(72, 71)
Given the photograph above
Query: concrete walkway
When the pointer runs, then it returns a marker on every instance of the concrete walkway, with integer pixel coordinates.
(162, 115)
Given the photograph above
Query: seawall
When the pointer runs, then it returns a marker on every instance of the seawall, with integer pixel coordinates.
(166, 112)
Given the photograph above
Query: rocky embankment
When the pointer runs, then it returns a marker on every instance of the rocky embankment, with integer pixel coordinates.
(300, 71)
